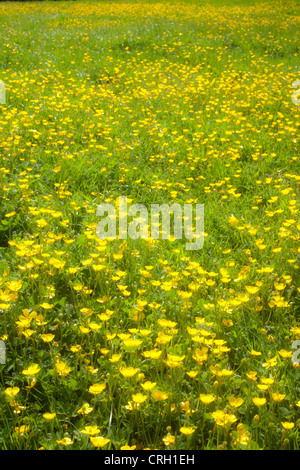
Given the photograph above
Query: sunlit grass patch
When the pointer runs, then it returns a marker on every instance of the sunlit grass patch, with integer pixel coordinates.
(140, 343)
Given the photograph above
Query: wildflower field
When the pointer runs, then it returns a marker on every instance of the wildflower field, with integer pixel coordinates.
(121, 344)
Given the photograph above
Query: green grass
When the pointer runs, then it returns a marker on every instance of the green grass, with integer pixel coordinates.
(162, 102)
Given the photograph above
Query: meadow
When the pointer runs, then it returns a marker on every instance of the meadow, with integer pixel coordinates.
(140, 344)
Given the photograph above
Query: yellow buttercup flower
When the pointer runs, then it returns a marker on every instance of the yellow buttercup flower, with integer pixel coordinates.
(27, 333)
(285, 354)
(262, 387)
(14, 286)
(159, 396)
(192, 373)
(252, 375)
(115, 358)
(173, 361)
(139, 398)
(187, 430)
(32, 370)
(235, 402)
(153, 354)
(132, 343)
(243, 437)
(46, 306)
(128, 371)
(99, 441)
(278, 397)
(62, 368)
(22, 429)
(288, 425)
(97, 388)
(223, 419)
(162, 338)
(66, 441)
(255, 353)
(259, 401)
(207, 398)
(91, 430)
(233, 221)
(169, 440)
(267, 380)
(85, 409)
(252, 289)
(84, 330)
(270, 362)
(279, 285)
(11, 391)
(94, 326)
(47, 338)
(49, 416)
(148, 385)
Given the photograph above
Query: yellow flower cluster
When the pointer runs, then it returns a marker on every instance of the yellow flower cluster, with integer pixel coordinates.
(139, 343)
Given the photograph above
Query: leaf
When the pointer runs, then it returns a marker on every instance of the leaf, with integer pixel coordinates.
(61, 302)
(72, 384)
